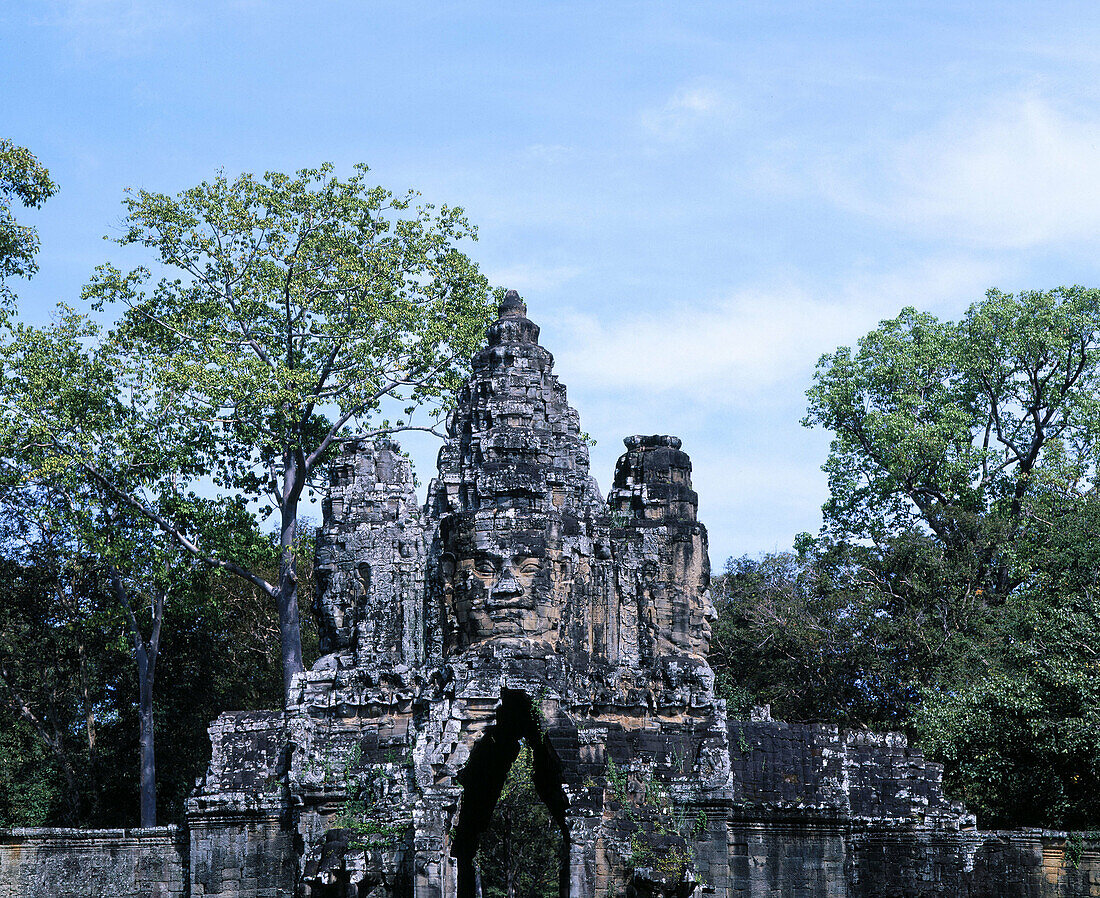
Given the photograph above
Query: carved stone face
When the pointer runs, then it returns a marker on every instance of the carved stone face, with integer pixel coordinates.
(498, 579)
(710, 616)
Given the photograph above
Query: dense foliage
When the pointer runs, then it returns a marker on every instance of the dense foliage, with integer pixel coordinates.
(25, 180)
(520, 850)
(952, 591)
(293, 310)
(69, 703)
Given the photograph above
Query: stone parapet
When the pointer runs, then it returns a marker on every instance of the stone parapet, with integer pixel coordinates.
(813, 768)
(96, 863)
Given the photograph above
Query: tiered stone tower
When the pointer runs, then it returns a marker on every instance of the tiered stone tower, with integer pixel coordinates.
(518, 604)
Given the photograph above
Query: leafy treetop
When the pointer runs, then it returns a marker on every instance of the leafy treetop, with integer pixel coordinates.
(24, 179)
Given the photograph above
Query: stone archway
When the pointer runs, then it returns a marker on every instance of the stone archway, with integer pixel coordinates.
(484, 775)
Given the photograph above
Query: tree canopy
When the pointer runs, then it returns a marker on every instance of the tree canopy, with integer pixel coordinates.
(140, 456)
(950, 592)
(961, 429)
(292, 310)
(25, 180)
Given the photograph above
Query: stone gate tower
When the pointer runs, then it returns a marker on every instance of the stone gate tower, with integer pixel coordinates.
(516, 605)
(519, 604)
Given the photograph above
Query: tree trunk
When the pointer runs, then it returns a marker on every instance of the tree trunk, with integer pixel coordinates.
(145, 654)
(510, 864)
(290, 634)
(146, 670)
(90, 731)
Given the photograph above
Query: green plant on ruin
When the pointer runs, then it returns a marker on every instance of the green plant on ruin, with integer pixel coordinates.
(654, 815)
(538, 705)
(361, 812)
(1075, 846)
(619, 519)
(680, 760)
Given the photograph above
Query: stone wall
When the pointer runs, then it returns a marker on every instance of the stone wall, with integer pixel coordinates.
(241, 841)
(102, 863)
(860, 775)
(770, 855)
(242, 856)
(887, 861)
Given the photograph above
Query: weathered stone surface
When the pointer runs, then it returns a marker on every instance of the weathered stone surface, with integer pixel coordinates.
(370, 558)
(546, 615)
(103, 863)
(519, 605)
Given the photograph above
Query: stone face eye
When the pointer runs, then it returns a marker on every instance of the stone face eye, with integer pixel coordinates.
(530, 567)
(485, 566)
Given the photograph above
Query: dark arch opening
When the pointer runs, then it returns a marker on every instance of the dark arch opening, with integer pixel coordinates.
(484, 776)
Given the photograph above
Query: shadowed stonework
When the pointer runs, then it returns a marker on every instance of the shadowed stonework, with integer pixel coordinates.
(520, 605)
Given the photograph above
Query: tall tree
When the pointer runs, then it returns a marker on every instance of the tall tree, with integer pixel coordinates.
(24, 179)
(520, 851)
(1019, 736)
(950, 429)
(951, 591)
(955, 444)
(99, 444)
(296, 308)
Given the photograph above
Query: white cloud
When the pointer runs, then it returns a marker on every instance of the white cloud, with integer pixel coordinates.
(533, 278)
(116, 27)
(679, 117)
(735, 350)
(1018, 174)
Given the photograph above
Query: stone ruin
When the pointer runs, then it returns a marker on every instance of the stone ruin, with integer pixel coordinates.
(520, 605)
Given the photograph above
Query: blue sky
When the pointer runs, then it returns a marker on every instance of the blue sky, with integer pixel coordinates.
(696, 200)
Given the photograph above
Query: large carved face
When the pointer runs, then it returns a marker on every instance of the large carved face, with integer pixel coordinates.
(498, 578)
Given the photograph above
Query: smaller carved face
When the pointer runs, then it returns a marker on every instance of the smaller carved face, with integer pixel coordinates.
(710, 616)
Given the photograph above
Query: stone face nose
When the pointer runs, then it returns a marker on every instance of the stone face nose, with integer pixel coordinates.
(507, 585)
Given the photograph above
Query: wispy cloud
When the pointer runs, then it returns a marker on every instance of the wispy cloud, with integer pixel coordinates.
(683, 114)
(735, 350)
(113, 27)
(1019, 173)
